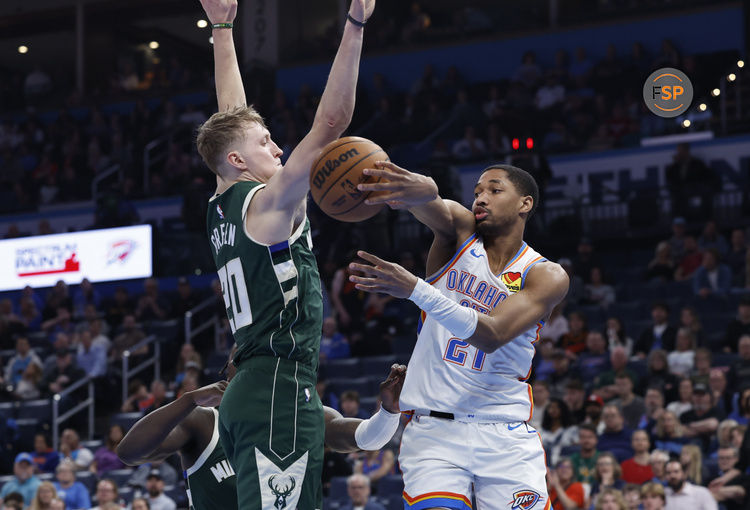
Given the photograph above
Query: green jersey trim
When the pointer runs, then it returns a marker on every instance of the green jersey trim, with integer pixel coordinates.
(209, 449)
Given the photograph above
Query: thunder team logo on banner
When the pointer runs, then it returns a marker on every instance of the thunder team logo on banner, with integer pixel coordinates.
(524, 500)
(512, 281)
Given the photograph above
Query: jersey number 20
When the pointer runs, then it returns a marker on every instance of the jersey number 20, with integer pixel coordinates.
(235, 294)
(457, 351)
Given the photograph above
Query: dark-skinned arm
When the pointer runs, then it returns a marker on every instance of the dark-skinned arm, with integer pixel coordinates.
(167, 429)
(545, 286)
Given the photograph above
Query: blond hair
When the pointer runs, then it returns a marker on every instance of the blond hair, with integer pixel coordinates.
(694, 470)
(221, 130)
(36, 503)
(610, 491)
(653, 489)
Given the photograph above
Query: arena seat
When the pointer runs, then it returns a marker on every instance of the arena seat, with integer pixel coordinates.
(338, 489)
(378, 366)
(361, 385)
(390, 486)
(120, 476)
(126, 494)
(37, 409)
(338, 368)
(368, 404)
(178, 494)
(125, 420)
(88, 479)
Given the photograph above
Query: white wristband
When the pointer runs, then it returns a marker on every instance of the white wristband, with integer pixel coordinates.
(461, 321)
(375, 432)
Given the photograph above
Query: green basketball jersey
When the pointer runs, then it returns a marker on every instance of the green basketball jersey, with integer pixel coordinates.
(272, 293)
(211, 482)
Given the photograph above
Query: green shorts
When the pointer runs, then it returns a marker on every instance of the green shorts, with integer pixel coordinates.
(272, 429)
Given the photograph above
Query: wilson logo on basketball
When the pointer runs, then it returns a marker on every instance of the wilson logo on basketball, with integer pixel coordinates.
(330, 165)
(524, 500)
(512, 281)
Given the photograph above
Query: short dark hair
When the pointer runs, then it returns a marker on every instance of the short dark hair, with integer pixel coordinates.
(350, 395)
(660, 304)
(588, 426)
(523, 181)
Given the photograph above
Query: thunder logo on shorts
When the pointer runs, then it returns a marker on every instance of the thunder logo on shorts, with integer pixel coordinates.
(525, 499)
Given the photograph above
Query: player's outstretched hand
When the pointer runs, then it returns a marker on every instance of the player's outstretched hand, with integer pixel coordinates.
(403, 188)
(390, 389)
(382, 276)
(361, 10)
(209, 396)
(220, 11)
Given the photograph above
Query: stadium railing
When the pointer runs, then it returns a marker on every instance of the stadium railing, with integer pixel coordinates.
(57, 418)
(154, 359)
(191, 332)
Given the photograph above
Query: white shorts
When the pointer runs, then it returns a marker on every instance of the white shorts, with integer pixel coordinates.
(442, 459)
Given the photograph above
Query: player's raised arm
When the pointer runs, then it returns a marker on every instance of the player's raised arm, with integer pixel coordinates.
(353, 434)
(450, 222)
(166, 430)
(545, 286)
(229, 90)
(281, 198)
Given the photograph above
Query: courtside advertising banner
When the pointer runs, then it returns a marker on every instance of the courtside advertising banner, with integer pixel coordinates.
(99, 255)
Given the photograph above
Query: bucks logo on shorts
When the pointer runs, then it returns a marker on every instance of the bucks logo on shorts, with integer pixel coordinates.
(281, 491)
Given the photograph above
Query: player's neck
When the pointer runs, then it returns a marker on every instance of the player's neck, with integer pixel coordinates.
(501, 249)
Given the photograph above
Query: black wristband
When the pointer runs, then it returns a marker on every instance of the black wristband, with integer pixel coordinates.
(360, 24)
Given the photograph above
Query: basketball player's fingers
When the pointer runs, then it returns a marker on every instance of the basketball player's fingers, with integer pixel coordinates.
(392, 167)
(386, 198)
(379, 186)
(381, 172)
(373, 289)
(368, 270)
(369, 257)
(364, 281)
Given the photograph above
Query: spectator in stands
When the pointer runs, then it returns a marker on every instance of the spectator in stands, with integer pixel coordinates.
(585, 259)
(690, 182)
(677, 240)
(541, 394)
(574, 398)
(574, 341)
(348, 302)
(140, 504)
(576, 289)
(158, 396)
(91, 358)
(617, 337)
(188, 356)
(661, 268)
(17, 364)
(594, 407)
(584, 460)
(681, 359)
(557, 324)
(157, 500)
(685, 402)
(45, 457)
(119, 307)
(605, 383)
(717, 384)
(736, 257)
(186, 298)
(550, 95)
(528, 73)
(702, 420)
(653, 497)
(731, 488)
(712, 278)
(138, 398)
(670, 434)
(607, 474)
(24, 481)
(691, 260)
(29, 314)
(598, 292)
(45, 493)
(615, 438)
(561, 373)
(595, 359)
(631, 493)
(105, 457)
(739, 326)
(130, 336)
(140, 476)
(61, 323)
(358, 488)
(376, 464)
(711, 239)
(689, 319)
(106, 493)
(692, 463)
(558, 430)
(151, 305)
(660, 335)
(637, 469)
(13, 501)
(659, 459)
(83, 296)
(682, 494)
(64, 373)
(98, 329)
(630, 405)
(350, 405)
(724, 435)
(565, 492)
(470, 147)
(71, 449)
(333, 344)
(654, 403)
(73, 492)
(28, 388)
(739, 372)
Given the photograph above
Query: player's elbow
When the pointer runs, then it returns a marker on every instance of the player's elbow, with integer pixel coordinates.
(334, 119)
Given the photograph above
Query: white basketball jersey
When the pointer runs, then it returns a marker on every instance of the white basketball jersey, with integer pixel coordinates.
(446, 373)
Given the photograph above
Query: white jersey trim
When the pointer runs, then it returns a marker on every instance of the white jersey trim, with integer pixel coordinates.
(209, 449)
(245, 206)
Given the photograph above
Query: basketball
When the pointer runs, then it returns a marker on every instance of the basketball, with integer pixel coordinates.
(336, 173)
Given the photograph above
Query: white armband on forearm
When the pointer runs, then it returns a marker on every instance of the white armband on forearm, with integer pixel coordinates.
(375, 432)
(461, 321)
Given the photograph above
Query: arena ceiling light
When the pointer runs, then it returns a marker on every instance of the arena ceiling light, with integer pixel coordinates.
(202, 23)
(702, 107)
(153, 45)
(23, 49)
(732, 77)
(740, 63)
(715, 92)
(686, 123)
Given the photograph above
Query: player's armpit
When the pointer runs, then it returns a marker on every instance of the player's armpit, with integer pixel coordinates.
(545, 286)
